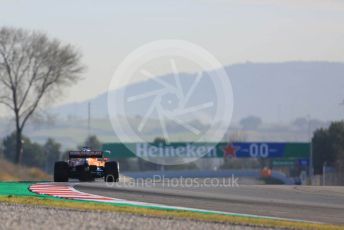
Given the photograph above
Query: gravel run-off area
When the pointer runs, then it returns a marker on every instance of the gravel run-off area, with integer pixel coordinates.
(13, 216)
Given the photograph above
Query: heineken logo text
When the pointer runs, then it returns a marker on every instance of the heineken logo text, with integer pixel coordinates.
(187, 151)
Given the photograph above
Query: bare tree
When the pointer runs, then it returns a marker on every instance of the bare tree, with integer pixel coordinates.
(32, 67)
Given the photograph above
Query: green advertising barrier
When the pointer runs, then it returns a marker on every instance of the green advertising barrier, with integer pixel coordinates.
(208, 150)
(297, 150)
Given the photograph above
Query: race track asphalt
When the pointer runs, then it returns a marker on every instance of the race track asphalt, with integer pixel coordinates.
(320, 204)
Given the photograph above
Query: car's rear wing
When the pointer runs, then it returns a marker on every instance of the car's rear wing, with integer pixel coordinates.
(85, 154)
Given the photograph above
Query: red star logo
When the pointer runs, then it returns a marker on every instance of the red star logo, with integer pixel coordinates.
(230, 151)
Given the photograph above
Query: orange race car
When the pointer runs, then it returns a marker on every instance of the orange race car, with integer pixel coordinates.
(86, 165)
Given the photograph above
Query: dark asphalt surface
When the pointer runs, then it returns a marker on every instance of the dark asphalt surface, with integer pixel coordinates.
(320, 204)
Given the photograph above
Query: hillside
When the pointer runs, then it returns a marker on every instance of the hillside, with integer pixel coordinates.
(273, 91)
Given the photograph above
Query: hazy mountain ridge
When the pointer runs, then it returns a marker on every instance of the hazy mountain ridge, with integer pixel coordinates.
(273, 91)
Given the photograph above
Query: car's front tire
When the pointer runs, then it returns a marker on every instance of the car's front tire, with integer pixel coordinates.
(61, 171)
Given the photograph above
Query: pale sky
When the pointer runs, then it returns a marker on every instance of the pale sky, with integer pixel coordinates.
(233, 31)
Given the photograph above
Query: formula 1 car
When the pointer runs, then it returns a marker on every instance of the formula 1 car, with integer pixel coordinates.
(86, 165)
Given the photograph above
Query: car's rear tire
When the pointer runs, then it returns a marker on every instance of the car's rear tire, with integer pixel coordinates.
(111, 172)
(61, 171)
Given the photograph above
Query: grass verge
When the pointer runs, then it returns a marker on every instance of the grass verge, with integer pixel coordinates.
(124, 208)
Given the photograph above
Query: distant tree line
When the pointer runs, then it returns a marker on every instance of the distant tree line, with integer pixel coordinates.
(37, 155)
(328, 147)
